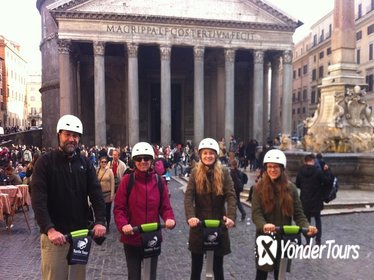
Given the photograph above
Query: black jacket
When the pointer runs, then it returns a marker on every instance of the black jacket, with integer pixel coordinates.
(60, 188)
(312, 182)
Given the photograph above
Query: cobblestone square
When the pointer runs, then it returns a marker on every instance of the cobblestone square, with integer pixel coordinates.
(20, 250)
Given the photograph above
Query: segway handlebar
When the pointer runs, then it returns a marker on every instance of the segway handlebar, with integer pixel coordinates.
(83, 233)
(211, 223)
(79, 233)
(291, 229)
(149, 227)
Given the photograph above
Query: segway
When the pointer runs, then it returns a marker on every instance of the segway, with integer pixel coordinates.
(292, 233)
(151, 243)
(211, 241)
(80, 245)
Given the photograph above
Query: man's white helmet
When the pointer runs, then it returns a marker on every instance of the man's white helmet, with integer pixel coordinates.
(142, 149)
(275, 156)
(209, 143)
(70, 123)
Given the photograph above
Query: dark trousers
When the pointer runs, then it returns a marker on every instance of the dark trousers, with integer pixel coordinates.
(263, 275)
(176, 165)
(108, 211)
(240, 205)
(197, 266)
(134, 257)
(317, 218)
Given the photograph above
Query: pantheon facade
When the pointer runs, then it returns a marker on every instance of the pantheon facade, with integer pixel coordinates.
(166, 71)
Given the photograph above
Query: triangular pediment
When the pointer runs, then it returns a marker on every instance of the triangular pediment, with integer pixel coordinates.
(247, 12)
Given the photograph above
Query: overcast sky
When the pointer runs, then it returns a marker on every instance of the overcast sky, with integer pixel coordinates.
(20, 21)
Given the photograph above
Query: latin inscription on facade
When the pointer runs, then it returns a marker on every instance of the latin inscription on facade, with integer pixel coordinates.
(180, 32)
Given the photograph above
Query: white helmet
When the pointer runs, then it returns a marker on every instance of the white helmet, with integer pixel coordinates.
(209, 143)
(142, 149)
(70, 123)
(275, 156)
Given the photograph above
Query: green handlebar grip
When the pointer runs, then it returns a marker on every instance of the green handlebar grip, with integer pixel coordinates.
(212, 223)
(79, 233)
(291, 229)
(149, 227)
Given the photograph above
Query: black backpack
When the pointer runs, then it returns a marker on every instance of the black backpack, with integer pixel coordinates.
(244, 177)
(331, 189)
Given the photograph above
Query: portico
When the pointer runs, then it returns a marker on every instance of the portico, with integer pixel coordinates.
(139, 75)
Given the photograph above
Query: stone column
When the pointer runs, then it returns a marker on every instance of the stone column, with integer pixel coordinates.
(265, 112)
(287, 94)
(198, 93)
(258, 93)
(67, 103)
(133, 99)
(229, 93)
(275, 126)
(99, 78)
(165, 52)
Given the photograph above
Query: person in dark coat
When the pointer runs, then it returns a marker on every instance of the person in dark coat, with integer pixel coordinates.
(236, 176)
(62, 181)
(311, 180)
(209, 189)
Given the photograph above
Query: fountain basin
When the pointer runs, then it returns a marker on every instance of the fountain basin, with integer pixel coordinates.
(354, 170)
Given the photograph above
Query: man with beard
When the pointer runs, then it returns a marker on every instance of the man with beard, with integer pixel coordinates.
(62, 182)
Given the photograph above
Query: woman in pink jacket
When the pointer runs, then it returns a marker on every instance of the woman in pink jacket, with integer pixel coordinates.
(140, 200)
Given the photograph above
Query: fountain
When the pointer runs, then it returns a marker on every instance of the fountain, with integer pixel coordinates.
(342, 125)
(346, 126)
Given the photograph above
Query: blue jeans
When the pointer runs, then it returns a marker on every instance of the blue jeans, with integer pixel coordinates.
(176, 168)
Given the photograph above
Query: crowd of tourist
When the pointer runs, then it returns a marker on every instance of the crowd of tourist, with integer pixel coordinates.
(180, 158)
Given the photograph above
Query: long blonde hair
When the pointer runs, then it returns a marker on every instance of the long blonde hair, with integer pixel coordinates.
(203, 184)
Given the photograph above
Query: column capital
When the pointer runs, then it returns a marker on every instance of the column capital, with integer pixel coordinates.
(287, 57)
(230, 55)
(132, 49)
(258, 56)
(165, 52)
(64, 46)
(198, 52)
(99, 48)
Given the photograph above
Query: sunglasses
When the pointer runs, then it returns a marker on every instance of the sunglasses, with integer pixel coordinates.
(139, 159)
(103, 161)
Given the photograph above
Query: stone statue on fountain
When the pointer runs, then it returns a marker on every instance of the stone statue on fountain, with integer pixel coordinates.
(344, 126)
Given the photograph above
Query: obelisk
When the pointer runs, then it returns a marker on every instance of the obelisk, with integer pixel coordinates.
(343, 68)
(342, 111)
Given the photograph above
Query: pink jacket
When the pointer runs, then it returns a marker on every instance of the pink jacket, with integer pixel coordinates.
(144, 204)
